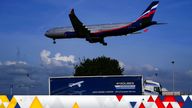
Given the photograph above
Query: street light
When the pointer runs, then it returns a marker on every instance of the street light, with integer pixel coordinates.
(173, 62)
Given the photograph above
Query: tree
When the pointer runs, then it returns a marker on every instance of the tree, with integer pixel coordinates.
(98, 66)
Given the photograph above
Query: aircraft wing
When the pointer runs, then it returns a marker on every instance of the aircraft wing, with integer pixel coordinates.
(78, 26)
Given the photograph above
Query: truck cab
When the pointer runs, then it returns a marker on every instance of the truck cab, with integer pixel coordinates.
(152, 88)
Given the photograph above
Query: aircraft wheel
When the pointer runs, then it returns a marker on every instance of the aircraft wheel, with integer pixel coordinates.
(54, 42)
(105, 44)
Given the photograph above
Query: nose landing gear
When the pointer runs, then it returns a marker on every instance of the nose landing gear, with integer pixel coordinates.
(54, 42)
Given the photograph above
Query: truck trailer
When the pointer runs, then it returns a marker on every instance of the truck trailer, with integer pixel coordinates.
(99, 85)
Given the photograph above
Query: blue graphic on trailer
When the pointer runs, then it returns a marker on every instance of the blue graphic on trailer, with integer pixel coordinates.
(98, 85)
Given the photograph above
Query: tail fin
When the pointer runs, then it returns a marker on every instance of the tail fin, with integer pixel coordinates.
(150, 11)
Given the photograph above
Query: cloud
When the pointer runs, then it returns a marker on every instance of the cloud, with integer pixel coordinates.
(121, 64)
(28, 79)
(189, 73)
(69, 58)
(181, 79)
(8, 63)
(45, 56)
(150, 68)
(58, 59)
(143, 68)
(13, 73)
(163, 76)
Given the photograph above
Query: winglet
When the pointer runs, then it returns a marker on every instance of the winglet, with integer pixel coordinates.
(72, 11)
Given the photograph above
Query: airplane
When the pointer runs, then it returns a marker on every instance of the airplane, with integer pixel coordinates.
(76, 84)
(97, 33)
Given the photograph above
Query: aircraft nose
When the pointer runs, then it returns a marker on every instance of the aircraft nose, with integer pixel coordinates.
(47, 33)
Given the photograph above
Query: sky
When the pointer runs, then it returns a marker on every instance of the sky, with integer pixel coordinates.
(28, 58)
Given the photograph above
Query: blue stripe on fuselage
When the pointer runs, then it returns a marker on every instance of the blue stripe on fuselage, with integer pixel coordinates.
(70, 35)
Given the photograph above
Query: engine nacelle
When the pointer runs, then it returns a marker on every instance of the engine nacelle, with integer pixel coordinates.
(94, 39)
(97, 39)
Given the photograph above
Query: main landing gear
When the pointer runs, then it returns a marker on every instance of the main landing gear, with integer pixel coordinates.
(103, 42)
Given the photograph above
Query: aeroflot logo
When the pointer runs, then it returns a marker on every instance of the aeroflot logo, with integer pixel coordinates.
(153, 8)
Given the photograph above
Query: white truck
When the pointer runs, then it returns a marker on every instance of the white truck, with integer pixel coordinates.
(152, 88)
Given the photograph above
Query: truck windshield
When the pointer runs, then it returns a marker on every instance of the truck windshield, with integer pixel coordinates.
(157, 89)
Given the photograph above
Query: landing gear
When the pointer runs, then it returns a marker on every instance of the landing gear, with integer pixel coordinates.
(54, 42)
(103, 42)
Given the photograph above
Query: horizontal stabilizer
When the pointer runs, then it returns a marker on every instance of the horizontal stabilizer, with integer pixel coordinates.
(136, 33)
(161, 23)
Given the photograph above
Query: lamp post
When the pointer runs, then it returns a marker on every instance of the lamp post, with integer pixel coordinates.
(11, 89)
(173, 62)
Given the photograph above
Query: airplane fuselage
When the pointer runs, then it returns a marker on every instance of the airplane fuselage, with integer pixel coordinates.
(102, 30)
(97, 33)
